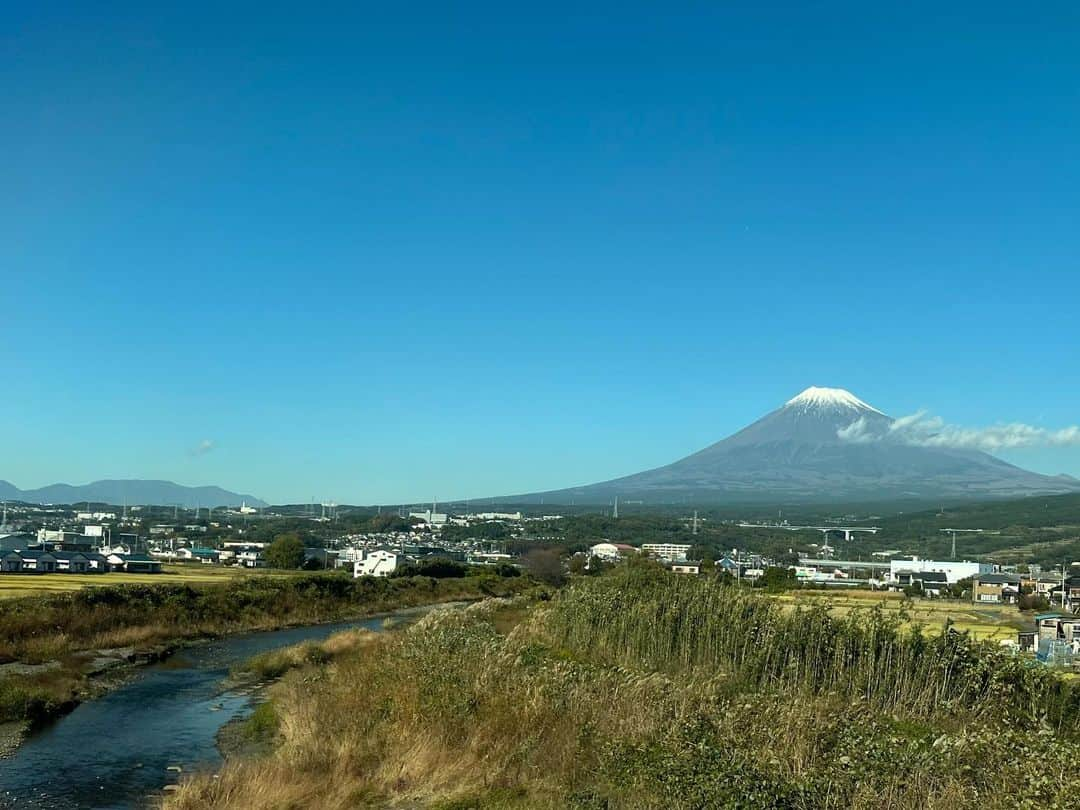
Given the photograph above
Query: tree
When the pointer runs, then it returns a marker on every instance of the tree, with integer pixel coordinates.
(776, 578)
(287, 551)
(507, 570)
(1033, 601)
(388, 522)
(546, 565)
(960, 589)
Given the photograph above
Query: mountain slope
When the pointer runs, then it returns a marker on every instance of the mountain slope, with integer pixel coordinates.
(133, 491)
(799, 453)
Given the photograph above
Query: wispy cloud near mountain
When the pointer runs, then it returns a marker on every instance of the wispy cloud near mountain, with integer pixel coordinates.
(925, 430)
(203, 447)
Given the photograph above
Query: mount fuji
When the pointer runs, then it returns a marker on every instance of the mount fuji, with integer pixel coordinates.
(804, 451)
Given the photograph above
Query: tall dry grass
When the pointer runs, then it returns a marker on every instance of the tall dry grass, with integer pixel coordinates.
(686, 624)
(452, 713)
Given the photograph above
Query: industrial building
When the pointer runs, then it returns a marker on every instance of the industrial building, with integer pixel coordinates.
(953, 571)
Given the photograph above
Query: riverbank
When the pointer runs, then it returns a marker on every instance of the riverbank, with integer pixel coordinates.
(644, 690)
(160, 726)
(255, 735)
(61, 650)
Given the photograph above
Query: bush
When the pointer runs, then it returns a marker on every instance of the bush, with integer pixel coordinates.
(434, 567)
(287, 551)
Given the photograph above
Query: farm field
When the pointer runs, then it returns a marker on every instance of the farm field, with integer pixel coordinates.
(14, 585)
(983, 622)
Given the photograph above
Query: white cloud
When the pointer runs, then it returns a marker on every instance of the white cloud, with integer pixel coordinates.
(925, 430)
(858, 432)
(203, 447)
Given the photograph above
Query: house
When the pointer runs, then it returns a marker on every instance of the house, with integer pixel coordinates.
(1056, 638)
(1042, 584)
(134, 563)
(38, 562)
(141, 564)
(376, 564)
(250, 557)
(11, 562)
(733, 567)
(686, 568)
(71, 562)
(995, 588)
(96, 563)
(1055, 625)
(1072, 589)
(931, 583)
(207, 556)
(61, 540)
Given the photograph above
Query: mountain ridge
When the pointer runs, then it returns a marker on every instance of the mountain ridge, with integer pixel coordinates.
(133, 491)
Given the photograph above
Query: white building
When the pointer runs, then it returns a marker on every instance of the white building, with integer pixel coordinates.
(673, 552)
(250, 557)
(376, 564)
(611, 552)
(489, 557)
(243, 544)
(430, 517)
(953, 571)
(351, 555)
(496, 516)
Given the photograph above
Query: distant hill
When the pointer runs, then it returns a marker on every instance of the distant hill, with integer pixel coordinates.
(130, 491)
(802, 453)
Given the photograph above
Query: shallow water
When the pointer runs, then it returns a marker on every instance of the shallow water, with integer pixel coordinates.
(114, 752)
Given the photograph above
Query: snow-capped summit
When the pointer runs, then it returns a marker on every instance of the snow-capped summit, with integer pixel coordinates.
(824, 445)
(815, 397)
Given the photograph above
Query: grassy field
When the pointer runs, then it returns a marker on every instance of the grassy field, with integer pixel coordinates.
(983, 622)
(640, 690)
(13, 585)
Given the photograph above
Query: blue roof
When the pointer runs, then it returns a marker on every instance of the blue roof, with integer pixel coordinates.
(138, 558)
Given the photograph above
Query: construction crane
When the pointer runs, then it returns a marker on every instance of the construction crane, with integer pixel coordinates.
(959, 531)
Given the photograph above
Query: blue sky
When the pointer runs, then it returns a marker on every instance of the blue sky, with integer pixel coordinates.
(385, 252)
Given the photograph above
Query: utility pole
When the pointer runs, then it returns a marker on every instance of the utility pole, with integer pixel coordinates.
(695, 521)
(615, 514)
(1063, 584)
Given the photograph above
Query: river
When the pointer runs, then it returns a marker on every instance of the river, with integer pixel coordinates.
(115, 752)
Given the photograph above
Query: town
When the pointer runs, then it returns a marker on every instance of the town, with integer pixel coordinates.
(101, 540)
